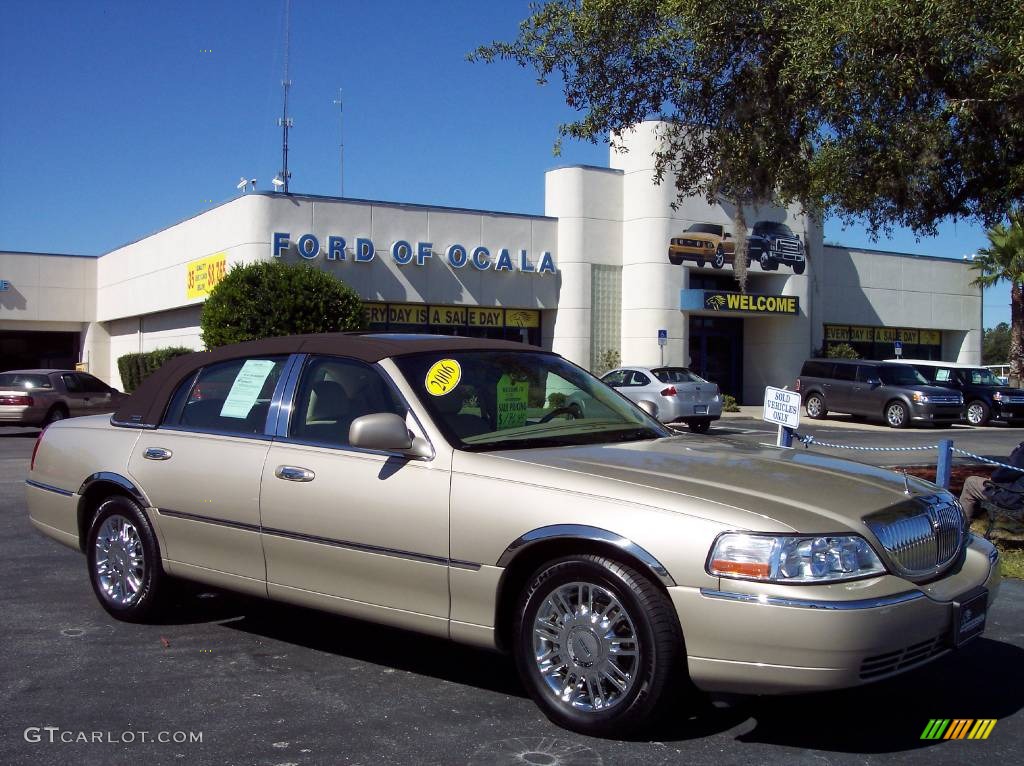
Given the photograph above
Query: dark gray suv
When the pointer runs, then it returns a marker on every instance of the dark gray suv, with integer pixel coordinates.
(897, 393)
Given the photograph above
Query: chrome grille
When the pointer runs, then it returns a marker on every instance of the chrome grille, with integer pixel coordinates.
(788, 245)
(940, 399)
(922, 536)
(1013, 399)
(693, 243)
(903, 659)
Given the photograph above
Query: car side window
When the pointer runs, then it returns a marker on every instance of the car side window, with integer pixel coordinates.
(228, 397)
(71, 383)
(333, 392)
(615, 378)
(92, 385)
(846, 371)
(639, 379)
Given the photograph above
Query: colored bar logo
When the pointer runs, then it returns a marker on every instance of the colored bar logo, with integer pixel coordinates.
(959, 728)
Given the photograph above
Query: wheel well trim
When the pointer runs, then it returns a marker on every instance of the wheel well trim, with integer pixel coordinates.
(109, 477)
(589, 534)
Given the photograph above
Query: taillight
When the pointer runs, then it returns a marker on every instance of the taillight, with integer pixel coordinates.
(25, 401)
(35, 449)
(797, 386)
(670, 391)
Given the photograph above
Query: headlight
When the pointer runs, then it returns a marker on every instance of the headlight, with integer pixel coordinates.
(786, 559)
(919, 397)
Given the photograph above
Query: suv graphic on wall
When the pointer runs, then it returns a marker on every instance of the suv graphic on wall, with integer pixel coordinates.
(703, 243)
(772, 243)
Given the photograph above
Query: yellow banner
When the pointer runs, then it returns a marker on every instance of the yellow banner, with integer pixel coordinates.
(479, 317)
(908, 336)
(862, 334)
(931, 337)
(398, 314)
(448, 315)
(203, 274)
(376, 313)
(522, 318)
(837, 332)
(885, 334)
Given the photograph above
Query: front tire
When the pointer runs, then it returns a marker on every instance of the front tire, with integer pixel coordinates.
(897, 415)
(815, 407)
(719, 260)
(56, 413)
(798, 267)
(597, 646)
(767, 262)
(124, 560)
(978, 413)
(675, 260)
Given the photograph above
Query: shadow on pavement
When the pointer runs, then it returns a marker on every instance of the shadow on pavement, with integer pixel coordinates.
(981, 681)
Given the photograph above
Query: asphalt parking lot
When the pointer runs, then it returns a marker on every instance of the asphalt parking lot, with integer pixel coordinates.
(272, 684)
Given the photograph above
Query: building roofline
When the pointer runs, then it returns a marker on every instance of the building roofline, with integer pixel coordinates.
(327, 198)
(580, 166)
(53, 255)
(896, 253)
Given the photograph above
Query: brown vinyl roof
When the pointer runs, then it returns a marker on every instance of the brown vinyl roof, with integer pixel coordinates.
(145, 407)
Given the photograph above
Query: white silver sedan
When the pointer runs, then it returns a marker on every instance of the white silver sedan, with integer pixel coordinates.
(681, 395)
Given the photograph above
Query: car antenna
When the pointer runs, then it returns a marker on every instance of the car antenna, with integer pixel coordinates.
(906, 482)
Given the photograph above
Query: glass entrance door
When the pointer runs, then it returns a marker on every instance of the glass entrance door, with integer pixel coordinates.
(716, 352)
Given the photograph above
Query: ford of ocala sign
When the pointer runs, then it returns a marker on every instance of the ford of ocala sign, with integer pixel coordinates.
(404, 253)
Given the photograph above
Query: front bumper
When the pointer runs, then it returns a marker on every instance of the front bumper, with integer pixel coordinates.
(935, 413)
(1008, 411)
(754, 638)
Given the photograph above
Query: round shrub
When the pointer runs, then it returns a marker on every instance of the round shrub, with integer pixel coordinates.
(271, 298)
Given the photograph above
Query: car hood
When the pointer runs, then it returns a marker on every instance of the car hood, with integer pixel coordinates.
(744, 487)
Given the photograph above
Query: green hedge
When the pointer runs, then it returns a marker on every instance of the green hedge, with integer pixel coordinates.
(135, 368)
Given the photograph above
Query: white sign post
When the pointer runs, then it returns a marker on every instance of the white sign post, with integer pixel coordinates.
(782, 407)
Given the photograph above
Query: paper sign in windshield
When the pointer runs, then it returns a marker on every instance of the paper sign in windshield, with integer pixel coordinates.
(246, 388)
(512, 399)
(443, 377)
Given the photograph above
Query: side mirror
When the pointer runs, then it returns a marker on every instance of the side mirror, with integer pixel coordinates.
(874, 382)
(386, 432)
(649, 407)
(727, 235)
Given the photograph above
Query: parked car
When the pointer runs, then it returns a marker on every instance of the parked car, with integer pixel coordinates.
(679, 395)
(985, 396)
(771, 243)
(703, 243)
(32, 398)
(896, 393)
(422, 482)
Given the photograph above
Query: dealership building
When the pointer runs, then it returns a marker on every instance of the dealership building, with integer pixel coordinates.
(611, 271)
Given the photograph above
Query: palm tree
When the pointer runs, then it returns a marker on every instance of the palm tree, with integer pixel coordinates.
(1004, 260)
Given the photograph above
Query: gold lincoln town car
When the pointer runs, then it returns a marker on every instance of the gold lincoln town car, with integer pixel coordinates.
(442, 485)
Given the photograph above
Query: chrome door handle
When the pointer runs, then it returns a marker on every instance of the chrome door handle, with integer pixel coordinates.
(157, 453)
(294, 473)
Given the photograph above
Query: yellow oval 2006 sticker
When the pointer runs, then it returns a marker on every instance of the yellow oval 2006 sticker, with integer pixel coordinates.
(443, 377)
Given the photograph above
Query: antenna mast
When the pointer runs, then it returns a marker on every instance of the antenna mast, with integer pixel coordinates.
(286, 122)
(341, 142)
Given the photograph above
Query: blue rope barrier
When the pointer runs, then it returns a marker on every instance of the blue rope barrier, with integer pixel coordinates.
(808, 440)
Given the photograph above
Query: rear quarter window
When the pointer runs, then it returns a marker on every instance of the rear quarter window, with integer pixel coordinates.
(816, 369)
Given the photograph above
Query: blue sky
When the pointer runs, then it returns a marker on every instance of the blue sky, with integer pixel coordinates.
(119, 118)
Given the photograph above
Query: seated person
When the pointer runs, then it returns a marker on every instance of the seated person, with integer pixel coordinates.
(1005, 488)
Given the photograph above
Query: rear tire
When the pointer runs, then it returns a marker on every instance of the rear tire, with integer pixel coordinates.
(588, 673)
(699, 426)
(124, 560)
(815, 407)
(57, 412)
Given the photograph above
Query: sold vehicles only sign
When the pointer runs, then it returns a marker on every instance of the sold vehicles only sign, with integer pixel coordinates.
(781, 407)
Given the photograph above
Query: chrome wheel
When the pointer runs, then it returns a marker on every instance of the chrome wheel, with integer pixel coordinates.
(896, 415)
(814, 407)
(120, 563)
(976, 414)
(585, 647)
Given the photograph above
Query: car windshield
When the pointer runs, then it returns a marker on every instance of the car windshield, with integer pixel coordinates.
(982, 377)
(705, 228)
(496, 400)
(901, 375)
(22, 380)
(677, 375)
(775, 228)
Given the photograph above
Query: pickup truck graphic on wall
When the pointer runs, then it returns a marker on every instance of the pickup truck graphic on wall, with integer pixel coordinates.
(769, 243)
